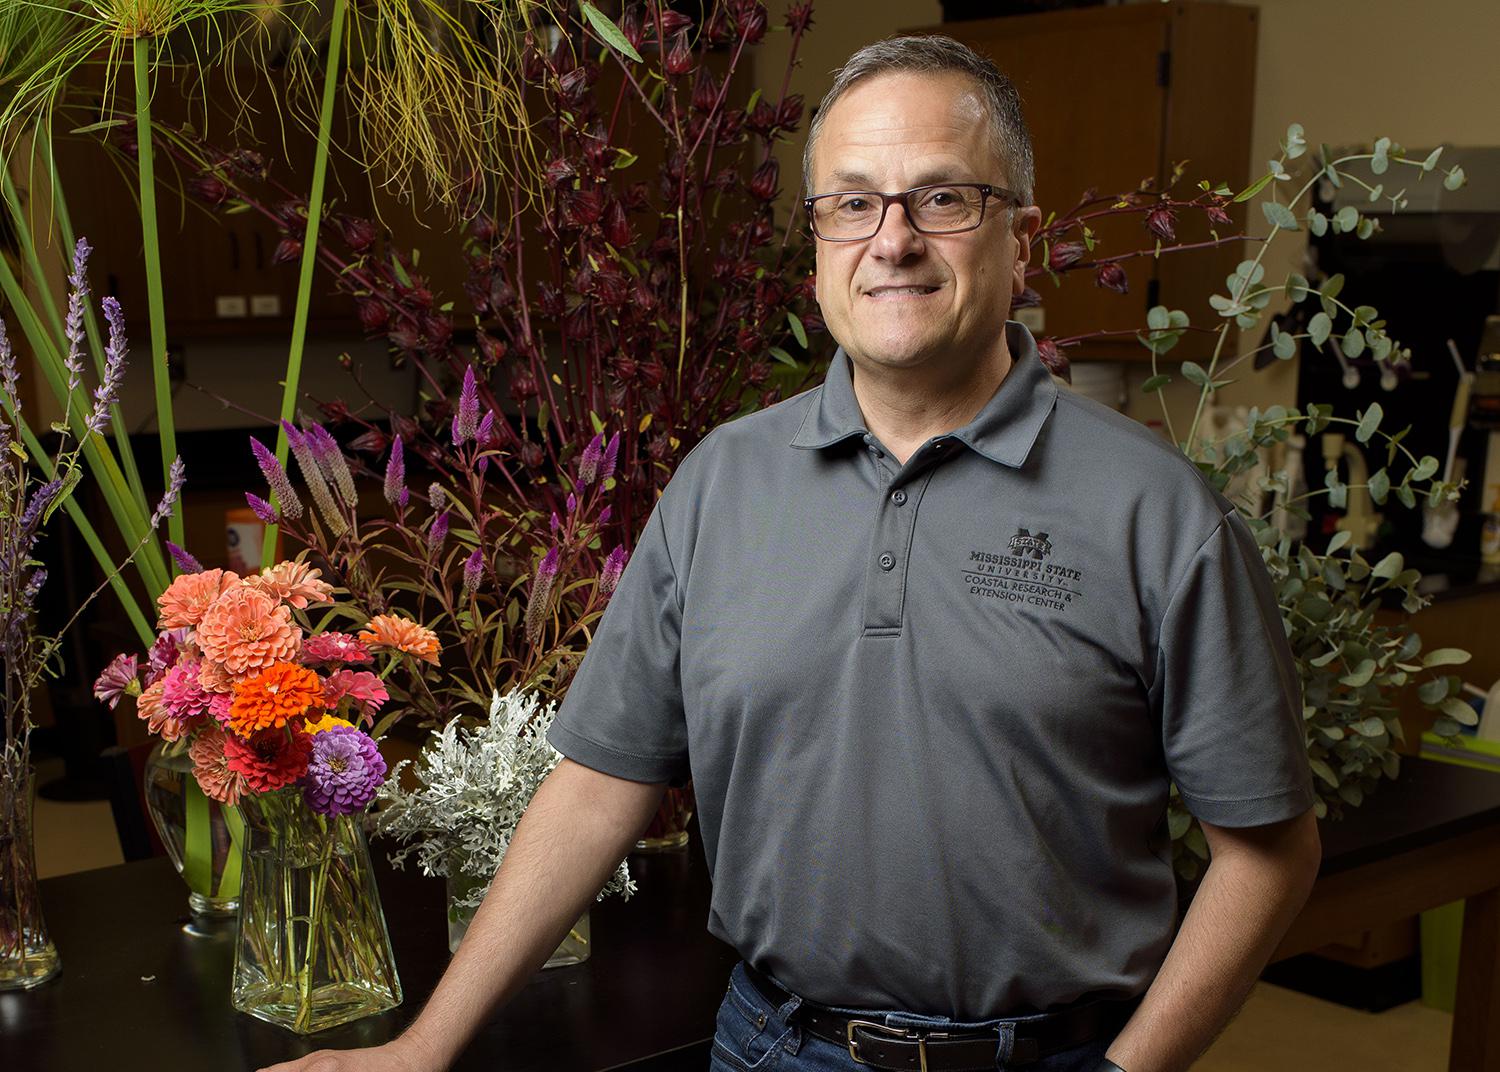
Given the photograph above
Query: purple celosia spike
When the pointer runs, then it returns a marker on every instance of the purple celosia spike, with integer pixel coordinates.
(405, 498)
(572, 502)
(185, 562)
(466, 422)
(437, 498)
(276, 478)
(473, 571)
(554, 523)
(614, 565)
(108, 391)
(262, 509)
(395, 474)
(437, 533)
(302, 444)
(606, 514)
(541, 591)
(10, 373)
(486, 433)
(176, 474)
(335, 467)
(611, 456)
(588, 465)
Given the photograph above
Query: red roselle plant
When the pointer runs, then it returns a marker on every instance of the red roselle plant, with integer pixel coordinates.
(1067, 244)
(656, 303)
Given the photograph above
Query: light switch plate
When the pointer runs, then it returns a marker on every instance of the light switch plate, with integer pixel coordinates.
(265, 305)
(229, 306)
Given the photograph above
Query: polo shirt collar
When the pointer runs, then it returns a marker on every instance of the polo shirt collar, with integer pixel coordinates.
(1003, 431)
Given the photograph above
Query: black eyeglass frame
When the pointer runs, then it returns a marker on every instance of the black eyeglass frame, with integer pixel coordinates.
(986, 191)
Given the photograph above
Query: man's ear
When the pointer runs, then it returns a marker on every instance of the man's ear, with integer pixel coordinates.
(1024, 224)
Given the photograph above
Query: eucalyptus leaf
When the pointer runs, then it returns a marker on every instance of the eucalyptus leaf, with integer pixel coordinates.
(1388, 566)
(1158, 317)
(1317, 223)
(1454, 179)
(1445, 657)
(1346, 219)
(1379, 486)
(1278, 215)
(1432, 159)
(1425, 468)
(1324, 771)
(1434, 691)
(1285, 347)
(1459, 711)
(1319, 328)
(1360, 675)
(1353, 343)
(1156, 383)
(1194, 373)
(1369, 422)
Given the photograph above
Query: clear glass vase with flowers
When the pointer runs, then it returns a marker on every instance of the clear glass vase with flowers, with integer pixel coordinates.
(271, 712)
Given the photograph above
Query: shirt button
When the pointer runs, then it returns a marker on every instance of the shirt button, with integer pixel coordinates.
(899, 498)
(888, 561)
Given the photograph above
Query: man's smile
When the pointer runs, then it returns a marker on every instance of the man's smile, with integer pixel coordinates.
(896, 293)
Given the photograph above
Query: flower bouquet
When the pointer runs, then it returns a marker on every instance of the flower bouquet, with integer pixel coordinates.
(268, 711)
(472, 786)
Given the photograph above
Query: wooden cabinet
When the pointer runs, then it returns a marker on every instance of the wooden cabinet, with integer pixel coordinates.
(1114, 95)
(208, 254)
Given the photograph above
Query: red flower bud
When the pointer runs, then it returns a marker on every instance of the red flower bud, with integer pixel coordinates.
(501, 293)
(758, 373)
(799, 16)
(763, 119)
(763, 182)
(288, 249)
(1112, 277)
(625, 369)
(583, 208)
(559, 173)
(373, 315)
(1053, 359)
(616, 226)
(753, 23)
(359, 234)
(1217, 215)
(483, 227)
(674, 22)
(531, 455)
(705, 90)
(210, 188)
(523, 386)
(790, 112)
(372, 442)
(1160, 221)
(1064, 254)
(248, 162)
(680, 59)
(653, 373)
(491, 349)
(405, 339)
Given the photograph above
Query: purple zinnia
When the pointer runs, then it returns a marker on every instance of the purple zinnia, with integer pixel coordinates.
(116, 680)
(344, 771)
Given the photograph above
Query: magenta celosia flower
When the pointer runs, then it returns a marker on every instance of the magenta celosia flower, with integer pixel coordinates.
(334, 648)
(588, 464)
(117, 679)
(361, 686)
(437, 533)
(611, 456)
(473, 571)
(614, 565)
(343, 772)
(276, 479)
(185, 561)
(262, 509)
(466, 420)
(395, 475)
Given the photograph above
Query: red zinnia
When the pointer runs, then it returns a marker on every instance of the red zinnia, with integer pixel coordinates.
(270, 759)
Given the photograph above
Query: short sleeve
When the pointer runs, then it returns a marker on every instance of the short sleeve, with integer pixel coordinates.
(622, 713)
(1226, 694)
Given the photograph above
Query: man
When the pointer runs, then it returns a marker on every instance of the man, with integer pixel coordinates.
(931, 640)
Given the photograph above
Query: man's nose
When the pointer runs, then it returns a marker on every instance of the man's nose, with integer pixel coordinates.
(897, 239)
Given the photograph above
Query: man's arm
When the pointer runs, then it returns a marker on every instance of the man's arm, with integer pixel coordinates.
(577, 829)
(1257, 880)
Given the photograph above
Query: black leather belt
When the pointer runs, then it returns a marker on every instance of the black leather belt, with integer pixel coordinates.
(935, 1050)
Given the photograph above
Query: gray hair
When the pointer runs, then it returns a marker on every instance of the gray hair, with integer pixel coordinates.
(932, 55)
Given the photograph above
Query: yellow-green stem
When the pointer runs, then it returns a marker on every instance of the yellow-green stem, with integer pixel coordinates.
(166, 426)
(309, 253)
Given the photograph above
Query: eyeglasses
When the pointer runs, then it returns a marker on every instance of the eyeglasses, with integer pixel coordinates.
(949, 208)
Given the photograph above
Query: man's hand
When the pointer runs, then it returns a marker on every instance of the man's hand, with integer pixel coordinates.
(392, 1057)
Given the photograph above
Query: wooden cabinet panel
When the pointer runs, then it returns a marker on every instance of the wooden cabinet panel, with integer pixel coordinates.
(1115, 95)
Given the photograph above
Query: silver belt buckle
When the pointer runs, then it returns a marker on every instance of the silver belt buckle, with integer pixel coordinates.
(902, 1034)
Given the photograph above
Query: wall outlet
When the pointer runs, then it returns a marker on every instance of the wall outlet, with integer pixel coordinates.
(265, 305)
(230, 306)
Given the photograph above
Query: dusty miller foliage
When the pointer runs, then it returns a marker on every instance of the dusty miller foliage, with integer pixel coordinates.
(475, 782)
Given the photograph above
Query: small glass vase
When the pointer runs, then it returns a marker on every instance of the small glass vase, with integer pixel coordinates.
(203, 838)
(574, 949)
(313, 949)
(668, 829)
(27, 956)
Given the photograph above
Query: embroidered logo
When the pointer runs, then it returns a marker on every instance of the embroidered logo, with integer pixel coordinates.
(1023, 575)
(1024, 543)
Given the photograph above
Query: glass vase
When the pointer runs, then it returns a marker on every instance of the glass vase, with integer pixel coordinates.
(313, 951)
(203, 838)
(668, 829)
(27, 956)
(573, 950)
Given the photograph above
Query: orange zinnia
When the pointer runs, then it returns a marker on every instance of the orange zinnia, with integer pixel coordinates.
(273, 697)
(402, 634)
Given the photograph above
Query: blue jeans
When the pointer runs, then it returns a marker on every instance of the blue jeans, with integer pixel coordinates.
(752, 1035)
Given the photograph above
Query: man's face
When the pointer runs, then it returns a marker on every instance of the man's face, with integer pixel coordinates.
(903, 299)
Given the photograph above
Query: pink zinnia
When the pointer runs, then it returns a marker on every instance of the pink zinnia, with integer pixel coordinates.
(246, 630)
(211, 768)
(116, 680)
(182, 697)
(295, 583)
(189, 597)
(334, 648)
(365, 688)
(215, 679)
(158, 719)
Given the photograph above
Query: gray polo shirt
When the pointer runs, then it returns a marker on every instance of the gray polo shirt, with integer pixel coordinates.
(931, 711)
